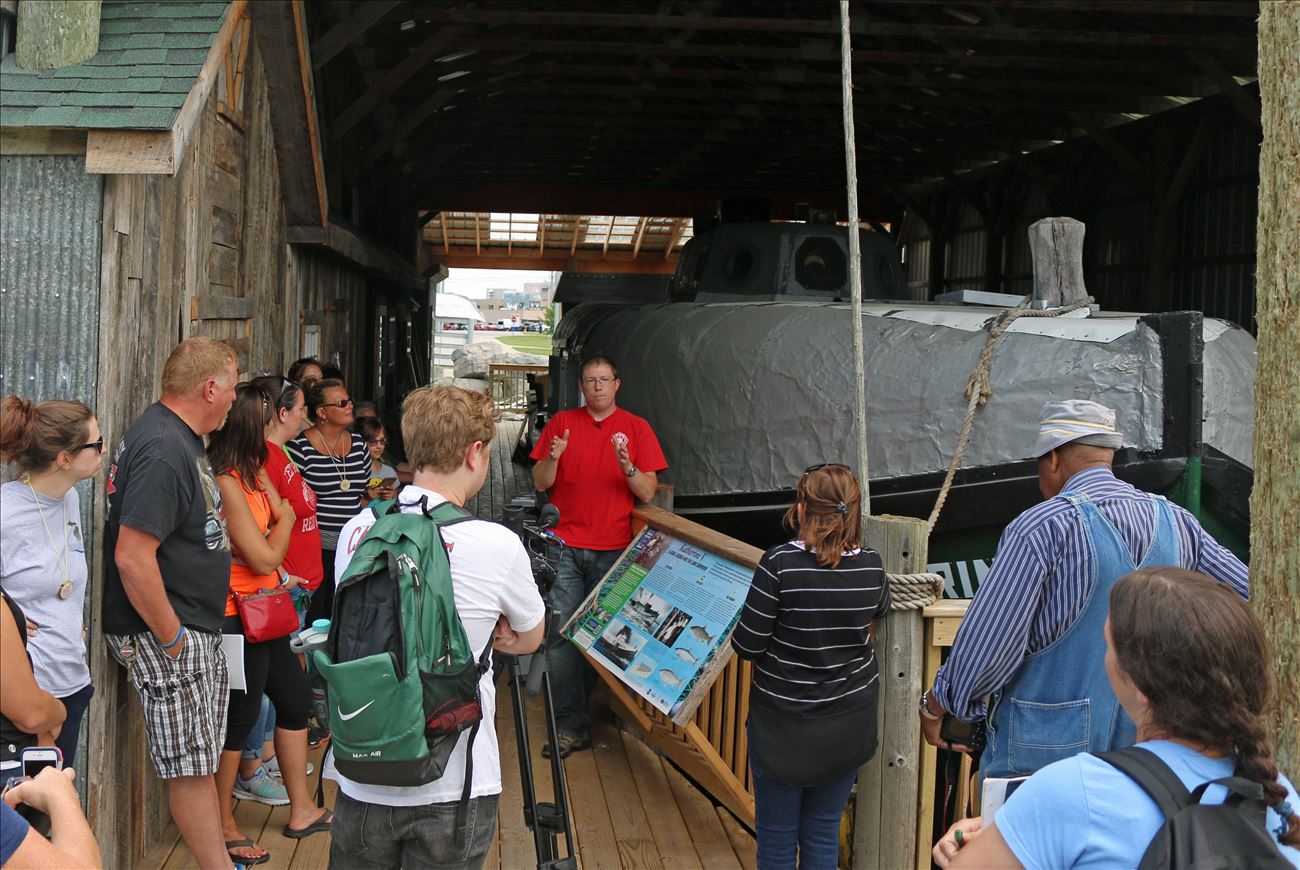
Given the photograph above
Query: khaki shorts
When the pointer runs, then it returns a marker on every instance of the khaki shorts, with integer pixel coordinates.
(184, 699)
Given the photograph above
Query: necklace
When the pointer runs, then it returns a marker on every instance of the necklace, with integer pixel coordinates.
(340, 468)
(65, 588)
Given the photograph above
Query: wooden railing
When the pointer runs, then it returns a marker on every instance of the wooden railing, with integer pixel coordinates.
(712, 748)
(508, 385)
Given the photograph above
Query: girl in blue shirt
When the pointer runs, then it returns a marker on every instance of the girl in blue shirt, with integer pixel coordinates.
(1189, 663)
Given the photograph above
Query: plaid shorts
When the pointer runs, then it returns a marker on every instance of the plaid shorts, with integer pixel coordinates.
(184, 699)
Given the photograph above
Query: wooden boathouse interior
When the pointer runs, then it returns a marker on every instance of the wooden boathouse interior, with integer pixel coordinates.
(294, 177)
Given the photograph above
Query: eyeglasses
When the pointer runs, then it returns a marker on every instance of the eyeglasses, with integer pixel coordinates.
(98, 445)
(341, 403)
(382, 442)
(604, 382)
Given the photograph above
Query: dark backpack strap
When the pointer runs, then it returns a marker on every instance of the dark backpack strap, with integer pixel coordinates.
(462, 809)
(1239, 789)
(1146, 769)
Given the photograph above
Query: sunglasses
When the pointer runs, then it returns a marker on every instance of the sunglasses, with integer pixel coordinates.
(98, 445)
(810, 469)
(383, 442)
(341, 403)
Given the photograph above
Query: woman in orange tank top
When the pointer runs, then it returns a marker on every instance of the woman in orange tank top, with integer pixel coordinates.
(260, 524)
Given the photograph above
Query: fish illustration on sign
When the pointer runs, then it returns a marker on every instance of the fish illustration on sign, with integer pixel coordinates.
(686, 656)
(668, 678)
(701, 635)
(640, 669)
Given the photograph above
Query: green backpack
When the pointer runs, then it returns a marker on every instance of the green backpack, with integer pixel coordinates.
(401, 680)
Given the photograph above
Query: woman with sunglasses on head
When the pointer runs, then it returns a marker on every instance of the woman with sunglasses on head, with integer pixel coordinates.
(260, 524)
(56, 445)
(1189, 663)
(807, 625)
(336, 464)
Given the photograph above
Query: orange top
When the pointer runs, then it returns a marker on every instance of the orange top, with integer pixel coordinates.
(244, 579)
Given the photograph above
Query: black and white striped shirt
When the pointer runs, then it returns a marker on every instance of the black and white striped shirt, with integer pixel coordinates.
(806, 628)
(325, 475)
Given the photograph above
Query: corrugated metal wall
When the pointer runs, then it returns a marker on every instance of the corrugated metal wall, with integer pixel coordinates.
(1213, 264)
(49, 285)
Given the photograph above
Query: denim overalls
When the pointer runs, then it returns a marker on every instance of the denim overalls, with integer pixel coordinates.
(1060, 702)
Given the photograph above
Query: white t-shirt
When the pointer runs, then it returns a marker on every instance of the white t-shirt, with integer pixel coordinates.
(491, 576)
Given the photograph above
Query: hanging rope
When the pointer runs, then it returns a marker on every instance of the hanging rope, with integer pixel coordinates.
(978, 389)
(914, 591)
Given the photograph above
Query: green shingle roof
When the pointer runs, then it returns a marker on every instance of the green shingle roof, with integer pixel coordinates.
(149, 56)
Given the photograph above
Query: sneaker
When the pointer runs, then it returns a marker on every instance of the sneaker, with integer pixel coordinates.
(568, 743)
(316, 736)
(261, 788)
(272, 766)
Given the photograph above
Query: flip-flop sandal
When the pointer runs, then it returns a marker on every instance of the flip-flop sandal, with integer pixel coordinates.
(320, 826)
(245, 843)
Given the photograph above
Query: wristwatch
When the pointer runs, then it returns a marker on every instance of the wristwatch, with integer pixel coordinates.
(925, 707)
(633, 473)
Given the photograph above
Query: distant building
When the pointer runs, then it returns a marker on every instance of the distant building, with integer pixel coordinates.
(541, 291)
(489, 305)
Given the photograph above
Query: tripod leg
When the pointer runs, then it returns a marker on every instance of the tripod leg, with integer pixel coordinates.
(525, 756)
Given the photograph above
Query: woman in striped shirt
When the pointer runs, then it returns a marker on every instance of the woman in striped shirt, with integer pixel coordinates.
(807, 626)
(336, 465)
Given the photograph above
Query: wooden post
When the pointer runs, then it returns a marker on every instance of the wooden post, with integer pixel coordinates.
(1057, 247)
(55, 33)
(1275, 500)
(884, 824)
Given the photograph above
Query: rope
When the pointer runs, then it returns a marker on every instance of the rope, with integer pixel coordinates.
(978, 389)
(914, 591)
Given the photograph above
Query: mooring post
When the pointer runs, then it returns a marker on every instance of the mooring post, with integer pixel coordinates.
(1056, 244)
(884, 824)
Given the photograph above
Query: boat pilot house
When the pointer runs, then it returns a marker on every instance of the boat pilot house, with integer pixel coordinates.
(874, 233)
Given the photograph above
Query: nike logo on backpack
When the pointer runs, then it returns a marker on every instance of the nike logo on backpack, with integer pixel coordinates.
(355, 713)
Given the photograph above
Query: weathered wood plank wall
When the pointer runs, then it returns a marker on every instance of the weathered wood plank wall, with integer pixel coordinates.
(200, 253)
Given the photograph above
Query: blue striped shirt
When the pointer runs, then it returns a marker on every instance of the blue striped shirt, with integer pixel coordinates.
(1040, 581)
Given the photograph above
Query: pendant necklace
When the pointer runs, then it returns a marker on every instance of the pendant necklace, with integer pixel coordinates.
(65, 588)
(339, 468)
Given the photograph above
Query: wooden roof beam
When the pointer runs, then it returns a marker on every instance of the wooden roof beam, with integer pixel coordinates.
(343, 34)
(378, 93)
(1226, 8)
(830, 27)
(1246, 105)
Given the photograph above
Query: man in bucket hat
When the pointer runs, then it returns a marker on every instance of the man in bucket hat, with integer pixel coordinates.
(1032, 639)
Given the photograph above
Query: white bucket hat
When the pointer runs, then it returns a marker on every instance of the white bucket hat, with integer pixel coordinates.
(1076, 420)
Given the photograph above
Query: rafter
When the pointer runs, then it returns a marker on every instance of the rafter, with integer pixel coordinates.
(394, 79)
(343, 34)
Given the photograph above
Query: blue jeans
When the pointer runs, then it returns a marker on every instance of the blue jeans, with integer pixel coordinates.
(789, 818)
(571, 677)
(367, 836)
(263, 731)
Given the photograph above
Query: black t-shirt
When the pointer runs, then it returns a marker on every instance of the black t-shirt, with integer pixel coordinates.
(160, 483)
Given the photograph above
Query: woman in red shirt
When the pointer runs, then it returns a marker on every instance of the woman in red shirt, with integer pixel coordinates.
(288, 418)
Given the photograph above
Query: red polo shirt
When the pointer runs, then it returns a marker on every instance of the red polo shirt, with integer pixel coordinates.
(590, 488)
(304, 556)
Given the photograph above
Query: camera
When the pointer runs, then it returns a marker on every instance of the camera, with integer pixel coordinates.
(533, 523)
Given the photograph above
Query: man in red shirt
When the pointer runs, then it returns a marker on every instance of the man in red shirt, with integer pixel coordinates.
(596, 461)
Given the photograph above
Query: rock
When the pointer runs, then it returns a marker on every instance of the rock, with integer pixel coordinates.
(472, 360)
(474, 385)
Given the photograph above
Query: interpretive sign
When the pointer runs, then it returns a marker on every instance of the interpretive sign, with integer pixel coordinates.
(661, 619)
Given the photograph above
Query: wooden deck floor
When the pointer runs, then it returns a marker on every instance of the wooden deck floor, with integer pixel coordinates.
(631, 809)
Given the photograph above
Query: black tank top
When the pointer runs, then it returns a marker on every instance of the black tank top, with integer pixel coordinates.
(12, 740)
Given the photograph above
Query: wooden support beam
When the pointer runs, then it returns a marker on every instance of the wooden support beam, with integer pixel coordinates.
(343, 34)
(1192, 155)
(678, 226)
(910, 201)
(411, 121)
(361, 252)
(541, 235)
(280, 32)
(1245, 104)
(442, 223)
(378, 93)
(577, 225)
(618, 262)
(970, 194)
(640, 234)
(1108, 143)
(608, 234)
(822, 26)
(425, 219)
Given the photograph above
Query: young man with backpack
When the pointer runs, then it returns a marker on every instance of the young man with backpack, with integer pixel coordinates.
(448, 820)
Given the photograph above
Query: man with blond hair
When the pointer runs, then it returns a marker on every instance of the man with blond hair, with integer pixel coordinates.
(166, 576)
(447, 433)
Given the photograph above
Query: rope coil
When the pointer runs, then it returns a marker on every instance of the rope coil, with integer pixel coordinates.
(914, 591)
(978, 388)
